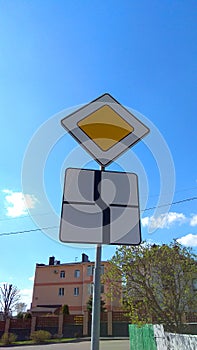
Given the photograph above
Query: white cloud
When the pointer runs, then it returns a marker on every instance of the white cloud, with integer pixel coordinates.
(26, 296)
(31, 278)
(145, 221)
(189, 240)
(193, 221)
(17, 203)
(164, 220)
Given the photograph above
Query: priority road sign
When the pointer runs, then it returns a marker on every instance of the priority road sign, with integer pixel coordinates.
(105, 128)
(100, 207)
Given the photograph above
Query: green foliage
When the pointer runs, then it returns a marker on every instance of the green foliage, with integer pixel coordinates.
(8, 338)
(156, 282)
(20, 307)
(89, 305)
(65, 309)
(24, 315)
(40, 336)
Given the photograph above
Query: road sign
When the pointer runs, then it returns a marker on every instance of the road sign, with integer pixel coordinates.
(105, 128)
(100, 207)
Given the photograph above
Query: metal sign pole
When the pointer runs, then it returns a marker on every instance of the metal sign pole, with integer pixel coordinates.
(92, 125)
(95, 332)
(96, 303)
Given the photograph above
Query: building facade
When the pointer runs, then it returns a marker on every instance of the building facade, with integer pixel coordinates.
(69, 284)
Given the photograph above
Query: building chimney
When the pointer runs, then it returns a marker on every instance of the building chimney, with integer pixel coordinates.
(85, 258)
(51, 260)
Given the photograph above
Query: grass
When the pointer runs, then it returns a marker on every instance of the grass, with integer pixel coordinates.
(50, 341)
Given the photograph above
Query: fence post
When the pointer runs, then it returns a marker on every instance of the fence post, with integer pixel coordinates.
(109, 323)
(33, 324)
(85, 323)
(7, 325)
(60, 324)
(183, 318)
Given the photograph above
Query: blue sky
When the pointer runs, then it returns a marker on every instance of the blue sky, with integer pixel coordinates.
(58, 54)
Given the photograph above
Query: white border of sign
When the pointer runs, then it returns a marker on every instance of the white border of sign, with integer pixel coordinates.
(104, 157)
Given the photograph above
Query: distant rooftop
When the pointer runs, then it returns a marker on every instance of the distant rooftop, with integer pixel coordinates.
(54, 262)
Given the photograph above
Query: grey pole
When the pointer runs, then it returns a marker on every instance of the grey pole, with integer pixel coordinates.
(95, 330)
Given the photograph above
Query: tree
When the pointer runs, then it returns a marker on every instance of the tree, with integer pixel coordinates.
(20, 307)
(9, 297)
(89, 305)
(65, 309)
(156, 282)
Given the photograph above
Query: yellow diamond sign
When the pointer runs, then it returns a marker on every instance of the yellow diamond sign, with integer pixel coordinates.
(105, 128)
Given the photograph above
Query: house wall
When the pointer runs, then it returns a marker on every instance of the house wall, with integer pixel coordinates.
(48, 281)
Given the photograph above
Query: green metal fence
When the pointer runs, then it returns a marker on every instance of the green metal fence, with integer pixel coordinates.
(142, 338)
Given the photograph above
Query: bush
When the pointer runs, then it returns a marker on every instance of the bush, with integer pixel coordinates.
(65, 309)
(19, 315)
(8, 338)
(40, 336)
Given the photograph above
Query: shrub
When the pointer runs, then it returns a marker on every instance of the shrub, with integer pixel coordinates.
(8, 338)
(19, 315)
(40, 336)
(27, 315)
(65, 309)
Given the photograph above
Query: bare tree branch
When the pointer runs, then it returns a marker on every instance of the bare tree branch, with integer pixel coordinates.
(9, 297)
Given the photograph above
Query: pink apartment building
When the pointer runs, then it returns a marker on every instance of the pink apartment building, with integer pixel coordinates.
(58, 284)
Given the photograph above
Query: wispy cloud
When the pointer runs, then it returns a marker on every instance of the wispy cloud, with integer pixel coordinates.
(17, 203)
(164, 220)
(31, 278)
(189, 240)
(193, 221)
(26, 296)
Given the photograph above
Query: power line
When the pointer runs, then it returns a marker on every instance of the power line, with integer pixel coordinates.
(23, 217)
(49, 228)
(25, 231)
(173, 203)
(152, 196)
(158, 206)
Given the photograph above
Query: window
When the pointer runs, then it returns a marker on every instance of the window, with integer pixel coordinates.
(77, 273)
(102, 269)
(90, 288)
(76, 291)
(62, 274)
(194, 284)
(90, 270)
(61, 291)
